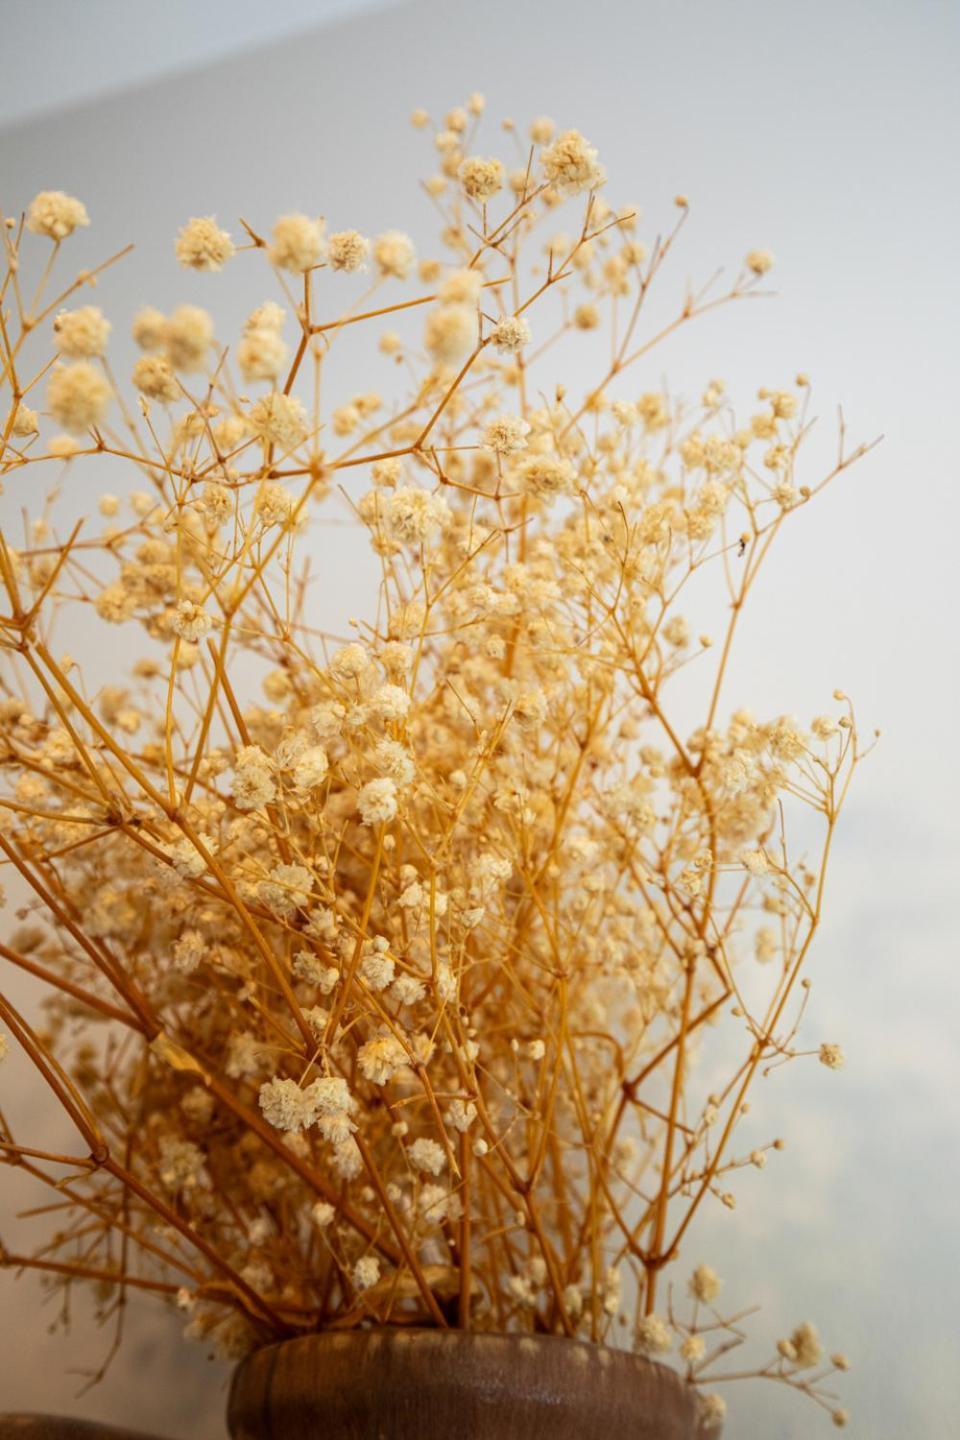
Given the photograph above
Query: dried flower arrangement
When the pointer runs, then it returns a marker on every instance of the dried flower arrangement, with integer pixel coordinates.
(399, 993)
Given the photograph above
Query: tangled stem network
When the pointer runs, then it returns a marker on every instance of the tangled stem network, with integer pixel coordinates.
(419, 976)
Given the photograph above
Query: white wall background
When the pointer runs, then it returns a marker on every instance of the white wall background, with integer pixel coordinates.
(827, 132)
(69, 51)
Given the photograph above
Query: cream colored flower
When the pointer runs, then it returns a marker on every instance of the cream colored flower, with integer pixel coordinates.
(24, 422)
(78, 396)
(279, 420)
(510, 334)
(56, 215)
(377, 801)
(394, 254)
(202, 245)
(451, 330)
(570, 164)
(187, 336)
(297, 243)
(760, 261)
(347, 250)
(481, 179)
(154, 377)
(81, 334)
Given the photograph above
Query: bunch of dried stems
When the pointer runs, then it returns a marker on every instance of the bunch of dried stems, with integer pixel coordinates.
(422, 975)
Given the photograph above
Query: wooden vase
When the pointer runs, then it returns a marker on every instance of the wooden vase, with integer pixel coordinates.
(392, 1384)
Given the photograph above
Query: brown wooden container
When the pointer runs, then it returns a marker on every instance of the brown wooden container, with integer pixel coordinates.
(388, 1384)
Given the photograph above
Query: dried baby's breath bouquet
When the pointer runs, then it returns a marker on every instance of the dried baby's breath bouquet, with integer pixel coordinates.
(419, 975)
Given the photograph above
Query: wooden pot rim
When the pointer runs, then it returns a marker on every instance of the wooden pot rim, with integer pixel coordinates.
(413, 1384)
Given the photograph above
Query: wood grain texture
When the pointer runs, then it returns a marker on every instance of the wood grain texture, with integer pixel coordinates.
(387, 1384)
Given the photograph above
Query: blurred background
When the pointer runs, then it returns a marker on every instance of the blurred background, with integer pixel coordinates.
(826, 132)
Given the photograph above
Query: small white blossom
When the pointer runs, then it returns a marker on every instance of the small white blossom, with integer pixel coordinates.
(711, 1411)
(415, 515)
(510, 334)
(323, 1214)
(377, 801)
(570, 164)
(253, 784)
(285, 1106)
(394, 254)
(505, 435)
(427, 1155)
(705, 1283)
(379, 1059)
(366, 1272)
(297, 243)
(56, 215)
(653, 1336)
(311, 768)
(191, 622)
(202, 245)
